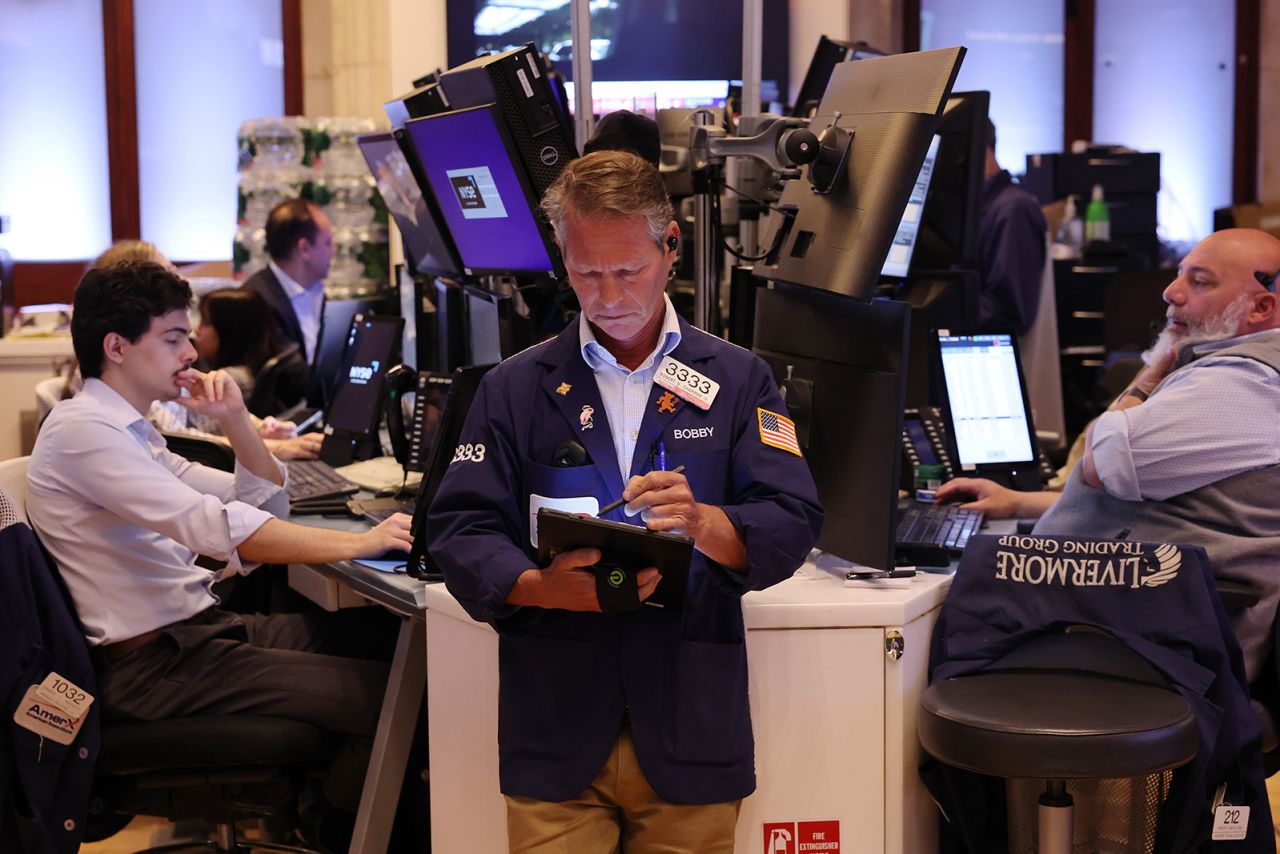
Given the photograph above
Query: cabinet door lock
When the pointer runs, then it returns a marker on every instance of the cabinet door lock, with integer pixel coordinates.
(894, 644)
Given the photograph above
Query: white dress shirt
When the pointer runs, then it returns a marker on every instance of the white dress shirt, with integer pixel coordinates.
(125, 518)
(308, 305)
(625, 393)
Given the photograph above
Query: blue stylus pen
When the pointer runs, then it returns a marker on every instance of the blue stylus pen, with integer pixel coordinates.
(662, 456)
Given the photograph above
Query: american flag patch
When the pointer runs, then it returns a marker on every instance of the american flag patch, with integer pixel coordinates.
(778, 431)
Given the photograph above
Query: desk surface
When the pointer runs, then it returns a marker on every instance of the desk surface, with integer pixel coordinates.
(395, 591)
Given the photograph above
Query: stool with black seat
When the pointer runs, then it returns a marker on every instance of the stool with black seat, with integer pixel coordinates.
(218, 769)
(1067, 705)
(1100, 664)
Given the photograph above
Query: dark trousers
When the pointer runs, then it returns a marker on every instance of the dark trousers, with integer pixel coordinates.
(328, 669)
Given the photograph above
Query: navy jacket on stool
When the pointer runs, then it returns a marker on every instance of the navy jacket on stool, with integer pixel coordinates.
(566, 678)
(1167, 611)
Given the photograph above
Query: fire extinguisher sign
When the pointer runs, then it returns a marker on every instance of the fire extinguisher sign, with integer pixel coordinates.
(804, 837)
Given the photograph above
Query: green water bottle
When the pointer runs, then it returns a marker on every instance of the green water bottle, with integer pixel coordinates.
(1097, 219)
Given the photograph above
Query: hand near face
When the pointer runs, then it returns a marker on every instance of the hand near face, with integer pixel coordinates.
(214, 394)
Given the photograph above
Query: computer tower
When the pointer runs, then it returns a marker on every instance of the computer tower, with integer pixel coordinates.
(517, 83)
(426, 100)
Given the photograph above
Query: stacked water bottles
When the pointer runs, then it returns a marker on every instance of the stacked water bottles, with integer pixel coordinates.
(289, 157)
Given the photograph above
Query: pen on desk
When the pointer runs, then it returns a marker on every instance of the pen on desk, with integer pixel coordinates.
(614, 505)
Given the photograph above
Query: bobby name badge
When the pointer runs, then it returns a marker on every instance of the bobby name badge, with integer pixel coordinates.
(678, 377)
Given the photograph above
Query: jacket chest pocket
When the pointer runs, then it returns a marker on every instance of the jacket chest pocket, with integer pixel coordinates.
(573, 489)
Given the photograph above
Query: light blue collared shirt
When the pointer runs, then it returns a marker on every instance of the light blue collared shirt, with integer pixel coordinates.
(125, 518)
(1201, 426)
(624, 393)
(308, 305)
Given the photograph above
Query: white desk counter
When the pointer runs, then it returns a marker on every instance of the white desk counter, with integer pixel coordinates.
(836, 674)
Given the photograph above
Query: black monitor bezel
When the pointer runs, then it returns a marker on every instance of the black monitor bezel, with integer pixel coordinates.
(556, 269)
(433, 208)
(935, 250)
(1000, 469)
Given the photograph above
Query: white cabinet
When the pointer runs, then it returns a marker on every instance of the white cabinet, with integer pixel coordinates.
(23, 363)
(833, 713)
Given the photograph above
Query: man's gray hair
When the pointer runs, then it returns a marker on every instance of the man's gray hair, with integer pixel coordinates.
(609, 185)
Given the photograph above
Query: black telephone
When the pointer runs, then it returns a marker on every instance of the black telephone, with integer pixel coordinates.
(925, 441)
(411, 447)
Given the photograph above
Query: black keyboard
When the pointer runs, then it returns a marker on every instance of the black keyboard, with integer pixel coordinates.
(316, 479)
(928, 535)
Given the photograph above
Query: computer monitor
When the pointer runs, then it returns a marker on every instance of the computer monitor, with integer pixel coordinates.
(428, 248)
(494, 330)
(986, 408)
(331, 346)
(826, 56)
(485, 200)
(842, 214)
(431, 392)
(352, 417)
(898, 262)
(462, 390)
(842, 365)
(950, 225)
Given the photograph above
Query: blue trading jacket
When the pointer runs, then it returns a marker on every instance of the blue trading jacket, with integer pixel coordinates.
(567, 678)
(44, 787)
(1010, 589)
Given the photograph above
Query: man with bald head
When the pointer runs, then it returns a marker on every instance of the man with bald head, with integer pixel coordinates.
(1190, 452)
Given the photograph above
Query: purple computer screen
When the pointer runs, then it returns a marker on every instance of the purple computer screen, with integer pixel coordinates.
(475, 183)
(424, 244)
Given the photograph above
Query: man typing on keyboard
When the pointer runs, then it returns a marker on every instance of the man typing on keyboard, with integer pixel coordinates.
(125, 520)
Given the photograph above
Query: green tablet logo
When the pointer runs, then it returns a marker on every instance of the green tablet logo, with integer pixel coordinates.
(616, 577)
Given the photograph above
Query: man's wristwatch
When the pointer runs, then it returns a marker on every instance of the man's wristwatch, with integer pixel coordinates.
(1138, 393)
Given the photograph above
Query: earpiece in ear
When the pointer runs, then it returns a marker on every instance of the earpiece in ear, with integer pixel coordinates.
(672, 243)
(1267, 281)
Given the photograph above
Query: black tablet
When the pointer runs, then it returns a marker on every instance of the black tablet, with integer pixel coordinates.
(619, 542)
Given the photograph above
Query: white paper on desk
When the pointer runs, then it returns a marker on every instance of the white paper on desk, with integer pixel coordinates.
(586, 504)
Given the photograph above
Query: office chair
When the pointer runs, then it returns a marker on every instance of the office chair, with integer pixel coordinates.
(207, 452)
(279, 384)
(1041, 679)
(217, 769)
(48, 394)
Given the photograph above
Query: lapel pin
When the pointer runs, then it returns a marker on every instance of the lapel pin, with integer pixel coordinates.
(563, 389)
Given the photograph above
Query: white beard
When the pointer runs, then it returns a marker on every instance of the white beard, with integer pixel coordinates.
(1223, 326)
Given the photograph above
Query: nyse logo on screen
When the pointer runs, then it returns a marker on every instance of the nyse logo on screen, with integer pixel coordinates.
(468, 192)
(477, 193)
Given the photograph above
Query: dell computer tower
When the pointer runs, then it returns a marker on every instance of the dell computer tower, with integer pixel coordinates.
(516, 81)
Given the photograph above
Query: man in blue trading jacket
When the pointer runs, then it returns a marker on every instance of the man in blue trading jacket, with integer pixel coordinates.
(1011, 247)
(627, 725)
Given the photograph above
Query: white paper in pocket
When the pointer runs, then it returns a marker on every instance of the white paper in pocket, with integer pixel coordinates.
(586, 504)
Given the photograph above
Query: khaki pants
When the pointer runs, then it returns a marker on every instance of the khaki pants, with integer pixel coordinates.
(620, 812)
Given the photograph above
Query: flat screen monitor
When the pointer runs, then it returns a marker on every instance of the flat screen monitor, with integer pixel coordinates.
(828, 54)
(335, 326)
(482, 193)
(630, 39)
(986, 407)
(494, 329)
(898, 262)
(462, 390)
(950, 225)
(352, 417)
(842, 365)
(428, 248)
(842, 215)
